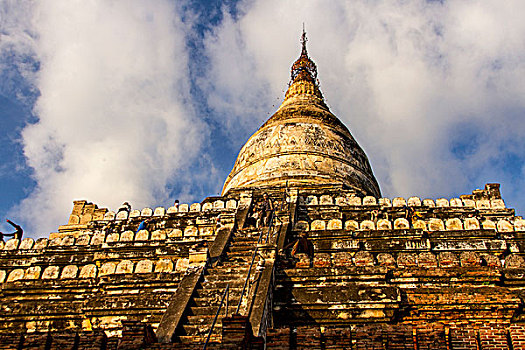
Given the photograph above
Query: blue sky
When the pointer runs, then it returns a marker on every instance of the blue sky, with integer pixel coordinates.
(151, 101)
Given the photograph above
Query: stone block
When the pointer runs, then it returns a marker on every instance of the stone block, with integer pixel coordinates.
(419, 224)
(456, 202)
(471, 224)
(172, 210)
(175, 233)
(11, 244)
(354, 200)
(317, 225)
(73, 219)
(442, 202)
(514, 261)
(367, 225)
(122, 215)
(497, 204)
(469, 259)
(108, 268)
(68, 240)
(127, 236)
(78, 206)
(142, 235)
(454, 224)
(231, 204)
(386, 259)
(218, 204)
(363, 258)
(3, 275)
(70, 271)
(429, 203)
(195, 207)
(326, 200)
(88, 271)
(27, 243)
(146, 212)
(483, 204)
(427, 260)
(99, 213)
(15, 275)
(435, 225)
(335, 224)
(519, 225)
(340, 201)
(401, 224)
(414, 202)
(125, 266)
(468, 203)
(191, 231)
(98, 238)
(182, 265)
(488, 225)
(158, 235)
(87, 216)
(135, 213)
(505, 226)
(341, 244)
(83, 239)
(144, 266)
(385, 202)
(207, 206)
(55, 242)
(311, 200)
(109, 216)
(383, 224)
(322, 260)
(342, 259)
(198, 257)
(302, 261)
(32, 273)
(202, 220)
(369, 200)
(2, 244)
(113, 237)
(491, 260)
(50, 273)
(159, 211)
(206, 231)
(351, 225)
(164, 265)
(406, 260)
(183, 208)
(399, 202)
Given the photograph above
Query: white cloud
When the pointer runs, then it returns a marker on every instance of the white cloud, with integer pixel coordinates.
(116, 121)
(415, 82)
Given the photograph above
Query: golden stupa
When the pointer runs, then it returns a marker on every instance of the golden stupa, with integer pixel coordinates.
(303, 143)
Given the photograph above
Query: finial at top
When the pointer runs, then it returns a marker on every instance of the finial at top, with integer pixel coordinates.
(304, 68)
(304, 39)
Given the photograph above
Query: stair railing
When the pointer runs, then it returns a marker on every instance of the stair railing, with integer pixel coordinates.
(226, 295)
(254, 255)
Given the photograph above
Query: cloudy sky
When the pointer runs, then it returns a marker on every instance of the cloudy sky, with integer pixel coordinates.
(148, 101)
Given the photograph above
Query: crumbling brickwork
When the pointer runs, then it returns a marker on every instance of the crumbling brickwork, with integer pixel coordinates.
(337, 266)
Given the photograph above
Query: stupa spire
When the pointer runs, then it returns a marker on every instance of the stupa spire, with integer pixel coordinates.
(304, 68)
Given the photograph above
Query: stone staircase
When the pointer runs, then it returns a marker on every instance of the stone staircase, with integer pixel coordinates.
(232, 271)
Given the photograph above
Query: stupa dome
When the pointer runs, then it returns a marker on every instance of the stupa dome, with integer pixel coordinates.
(303, 143)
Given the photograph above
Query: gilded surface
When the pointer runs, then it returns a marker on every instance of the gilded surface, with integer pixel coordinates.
(303, 142)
